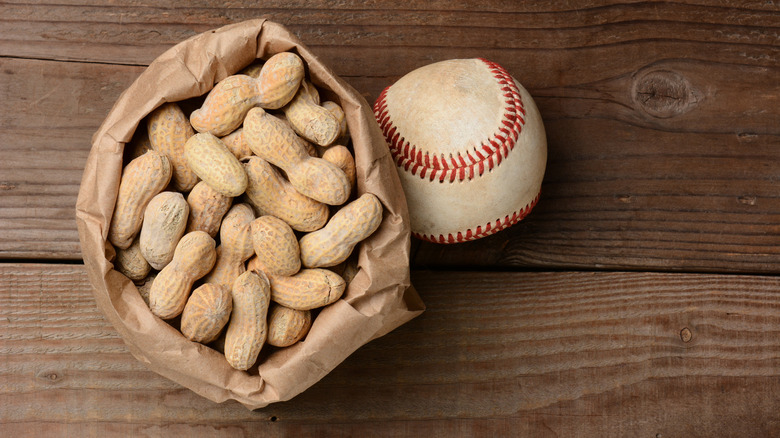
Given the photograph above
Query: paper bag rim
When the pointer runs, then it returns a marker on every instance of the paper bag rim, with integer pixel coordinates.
(379, 299)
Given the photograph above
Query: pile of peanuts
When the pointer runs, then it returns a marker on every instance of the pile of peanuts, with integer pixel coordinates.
(268, 179)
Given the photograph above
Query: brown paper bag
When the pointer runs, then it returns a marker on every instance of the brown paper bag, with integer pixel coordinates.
(379, 299)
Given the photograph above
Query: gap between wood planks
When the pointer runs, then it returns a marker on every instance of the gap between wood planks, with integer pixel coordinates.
(80, 61)
(467, 269)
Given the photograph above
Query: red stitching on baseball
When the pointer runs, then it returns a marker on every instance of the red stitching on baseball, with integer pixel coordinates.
(495, 148)
(479, 232)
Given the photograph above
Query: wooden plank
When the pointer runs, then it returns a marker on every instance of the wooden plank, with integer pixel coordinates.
(558, 354)
(45, 140)
(615, 194)
(125, 33)
(637, 178)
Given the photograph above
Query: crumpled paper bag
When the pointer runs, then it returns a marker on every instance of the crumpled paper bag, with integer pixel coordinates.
(379, 299)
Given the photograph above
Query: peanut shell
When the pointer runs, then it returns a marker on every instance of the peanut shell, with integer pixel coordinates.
(169, 129)
(272, 140)
(235, 246)
(206, 313)
(142, 179)
(248, 327)
(333, 243)
(165, 220)
(308, 289)
(270, 193)
(207, 208)
(131, 262)
(211, 160)
(276, 246)
(193, 258)
(287, 326)
(311, 121)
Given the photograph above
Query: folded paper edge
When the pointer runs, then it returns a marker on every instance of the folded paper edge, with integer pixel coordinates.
(100, 184)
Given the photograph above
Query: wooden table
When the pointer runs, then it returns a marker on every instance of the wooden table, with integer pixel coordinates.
(640, 297)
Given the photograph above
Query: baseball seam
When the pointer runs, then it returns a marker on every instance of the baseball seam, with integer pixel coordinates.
(487, 156)
(481, 231)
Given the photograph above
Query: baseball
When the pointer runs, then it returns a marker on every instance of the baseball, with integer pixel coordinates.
(469, 146)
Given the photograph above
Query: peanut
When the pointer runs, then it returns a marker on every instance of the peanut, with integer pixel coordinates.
(235, 246)
(228, 102)
(342, 158)
(276, 247)
(310, 148)
(211, 160)
(270, 194)
(279, 79)
(236, 144)
(310, 92)
(206, 313)
(310, 120)
(247, 329)
(165, 220)
(252, 69)
(308, 289)
(271, 139)
(132, 263)
(138, 145)
(145, 285)
(253, 264)
(351, 269)
(169, 130)
(338, 113)
(287, 326)
(193, 258)
(207, 207)
(142, 179)
(333, 243)
(225, 106)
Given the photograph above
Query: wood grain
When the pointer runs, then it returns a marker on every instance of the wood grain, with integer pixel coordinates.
(663, 121)
(663, 117)
(134, 32)
(545, 354)
(45, 139)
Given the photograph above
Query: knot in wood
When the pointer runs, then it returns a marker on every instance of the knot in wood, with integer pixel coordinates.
(747, 200)
(664, 94)
(686, 335)
(50, 376)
